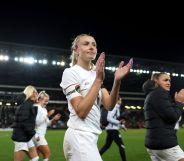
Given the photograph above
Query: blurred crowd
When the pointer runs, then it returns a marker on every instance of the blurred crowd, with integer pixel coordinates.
(133, 118)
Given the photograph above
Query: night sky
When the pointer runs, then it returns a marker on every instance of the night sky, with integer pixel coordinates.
(56, 26)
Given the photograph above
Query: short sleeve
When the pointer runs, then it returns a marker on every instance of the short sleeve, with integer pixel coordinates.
(70, 84)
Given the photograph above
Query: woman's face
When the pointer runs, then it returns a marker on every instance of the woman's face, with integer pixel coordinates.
(86, 48)
(44, 101)
(164, 81)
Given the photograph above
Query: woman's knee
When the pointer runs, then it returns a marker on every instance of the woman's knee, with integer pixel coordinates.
(45, 150)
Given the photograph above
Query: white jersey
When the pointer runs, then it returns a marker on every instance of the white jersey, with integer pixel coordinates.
(41, 120)
(112, 118)
(77, 81)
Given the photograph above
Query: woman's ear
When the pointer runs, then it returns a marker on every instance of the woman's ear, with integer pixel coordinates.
(75, 48)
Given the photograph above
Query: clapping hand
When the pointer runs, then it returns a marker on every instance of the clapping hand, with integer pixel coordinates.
(100, 66)
(51, 112)
(179, 96)
(57, 117)
(122, 71)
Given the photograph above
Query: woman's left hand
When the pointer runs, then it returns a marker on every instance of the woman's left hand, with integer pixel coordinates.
(122, 71)
(51, 112)
(57, 117)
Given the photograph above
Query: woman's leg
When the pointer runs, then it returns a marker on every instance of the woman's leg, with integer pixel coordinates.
(118, 140)
(45, 151)
(20, 149)
(19, 155)
(32, 153)
(107, 143)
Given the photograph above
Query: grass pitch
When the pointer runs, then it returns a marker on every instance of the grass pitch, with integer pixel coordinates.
(133, 140)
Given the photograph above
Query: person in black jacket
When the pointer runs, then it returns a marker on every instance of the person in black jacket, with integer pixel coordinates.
(24, 125)
(161, 115)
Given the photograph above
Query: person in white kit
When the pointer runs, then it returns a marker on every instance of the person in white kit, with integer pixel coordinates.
(42, 121)
(82, 86)
(112, 129)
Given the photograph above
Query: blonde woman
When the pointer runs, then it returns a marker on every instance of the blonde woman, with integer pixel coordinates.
(82, 86)
(42, 121)
(24, 125)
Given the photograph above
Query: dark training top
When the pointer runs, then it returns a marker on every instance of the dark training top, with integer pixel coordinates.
(25, 116)
(161, 115)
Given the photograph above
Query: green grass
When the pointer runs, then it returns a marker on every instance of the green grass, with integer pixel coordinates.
(133, 139)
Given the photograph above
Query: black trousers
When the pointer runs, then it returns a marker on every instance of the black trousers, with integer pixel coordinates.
(114, 135)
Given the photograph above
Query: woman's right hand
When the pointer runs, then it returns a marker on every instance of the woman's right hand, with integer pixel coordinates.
(179, 96)
(100, 66)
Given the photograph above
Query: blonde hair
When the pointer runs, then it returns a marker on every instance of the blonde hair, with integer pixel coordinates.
(74, 55)
(156, 76)
(42, 94)
(28, 91)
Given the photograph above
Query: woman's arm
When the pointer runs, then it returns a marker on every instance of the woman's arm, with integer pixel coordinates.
(82, 105)
(111, 119)
(109, 100)
(55, 118)
(165, 108)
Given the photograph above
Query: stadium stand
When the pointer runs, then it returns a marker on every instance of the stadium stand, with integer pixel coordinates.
(42, 67)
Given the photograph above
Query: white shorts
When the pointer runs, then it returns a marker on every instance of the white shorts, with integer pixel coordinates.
(171, 154)
(23, 145)
(80, 146)
(42, 141)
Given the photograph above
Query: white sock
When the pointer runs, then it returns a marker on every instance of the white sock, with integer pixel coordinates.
(35, 159)
(46, 159)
